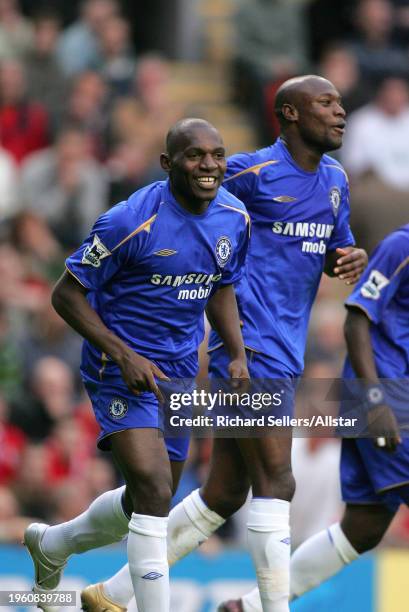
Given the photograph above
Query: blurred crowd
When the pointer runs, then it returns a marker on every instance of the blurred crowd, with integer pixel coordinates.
(83, 114)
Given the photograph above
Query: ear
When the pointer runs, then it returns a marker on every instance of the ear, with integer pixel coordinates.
(289, 112)
(165, 162)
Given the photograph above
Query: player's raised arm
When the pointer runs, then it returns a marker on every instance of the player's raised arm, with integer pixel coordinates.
(381, 418)
(223, 315)
(70, 301)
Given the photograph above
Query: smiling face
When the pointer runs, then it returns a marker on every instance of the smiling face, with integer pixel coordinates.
(321, 117)
(196, 163)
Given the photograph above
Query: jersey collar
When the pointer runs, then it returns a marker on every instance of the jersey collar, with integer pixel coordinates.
(169, 198)
(289, 158)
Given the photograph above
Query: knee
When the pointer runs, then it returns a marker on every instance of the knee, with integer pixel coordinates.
(150, 493)
(365, 539)
(226, 498)
(277, 482)
(365, 528)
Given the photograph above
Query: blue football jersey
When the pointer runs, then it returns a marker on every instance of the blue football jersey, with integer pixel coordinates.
(150, 267)
(297, 217)
(383, 294)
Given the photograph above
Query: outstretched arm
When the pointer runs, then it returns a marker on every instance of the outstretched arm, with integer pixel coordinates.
(70, 301)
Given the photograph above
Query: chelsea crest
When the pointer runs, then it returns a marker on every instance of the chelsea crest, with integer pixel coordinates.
(118, 408)
(335, 199)
(223, 251)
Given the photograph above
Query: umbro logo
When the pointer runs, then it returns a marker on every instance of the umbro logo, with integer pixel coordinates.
(284, 199)
(165, 252)
(152, 576)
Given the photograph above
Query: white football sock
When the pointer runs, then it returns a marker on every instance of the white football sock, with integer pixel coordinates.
(191, 522)
(148, 565)
(319, 558)
(103, 523)
(269, 544)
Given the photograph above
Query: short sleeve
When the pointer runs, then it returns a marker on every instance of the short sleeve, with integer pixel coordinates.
(233, 271)
(382, 277)
(105, 250)
(238, 180)
(342, 235)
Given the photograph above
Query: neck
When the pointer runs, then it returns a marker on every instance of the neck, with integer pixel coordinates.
(305, 156)
(192, 205)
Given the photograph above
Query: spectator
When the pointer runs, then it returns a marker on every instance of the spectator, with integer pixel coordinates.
(19, 289)
(377, 54)
(271, 46)
(50, 399)
(47, 335)
(339, 65)
(31, 485)
(79, 47)
(377, 138)
(69, 450)
(66, 186)
(145, 116)
(16, 32)
(36, 244)
(23, 124)
(376, 155)
(131, 167)
(46, 82)
(117, 58)
(86, 108)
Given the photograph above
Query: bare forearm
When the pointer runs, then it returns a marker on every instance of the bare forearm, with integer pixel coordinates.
(223, 316)
(360, 351)
(70, 301)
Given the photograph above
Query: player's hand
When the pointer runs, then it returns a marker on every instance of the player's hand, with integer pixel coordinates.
(384, 428)
(350, 265)
(139, 374)
(239, 374)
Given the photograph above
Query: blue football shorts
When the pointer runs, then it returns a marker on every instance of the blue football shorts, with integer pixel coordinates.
(116, 408)
(370, 475)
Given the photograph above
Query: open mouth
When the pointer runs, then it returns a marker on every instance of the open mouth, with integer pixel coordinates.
(207, 182)
(340, 129)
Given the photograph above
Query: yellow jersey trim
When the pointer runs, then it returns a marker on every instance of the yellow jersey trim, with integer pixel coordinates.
(402, 265)
(144, 226)
(254, 169)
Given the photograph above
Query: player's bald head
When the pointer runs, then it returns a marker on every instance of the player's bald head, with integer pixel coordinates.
(182, 133)
(296, 91)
